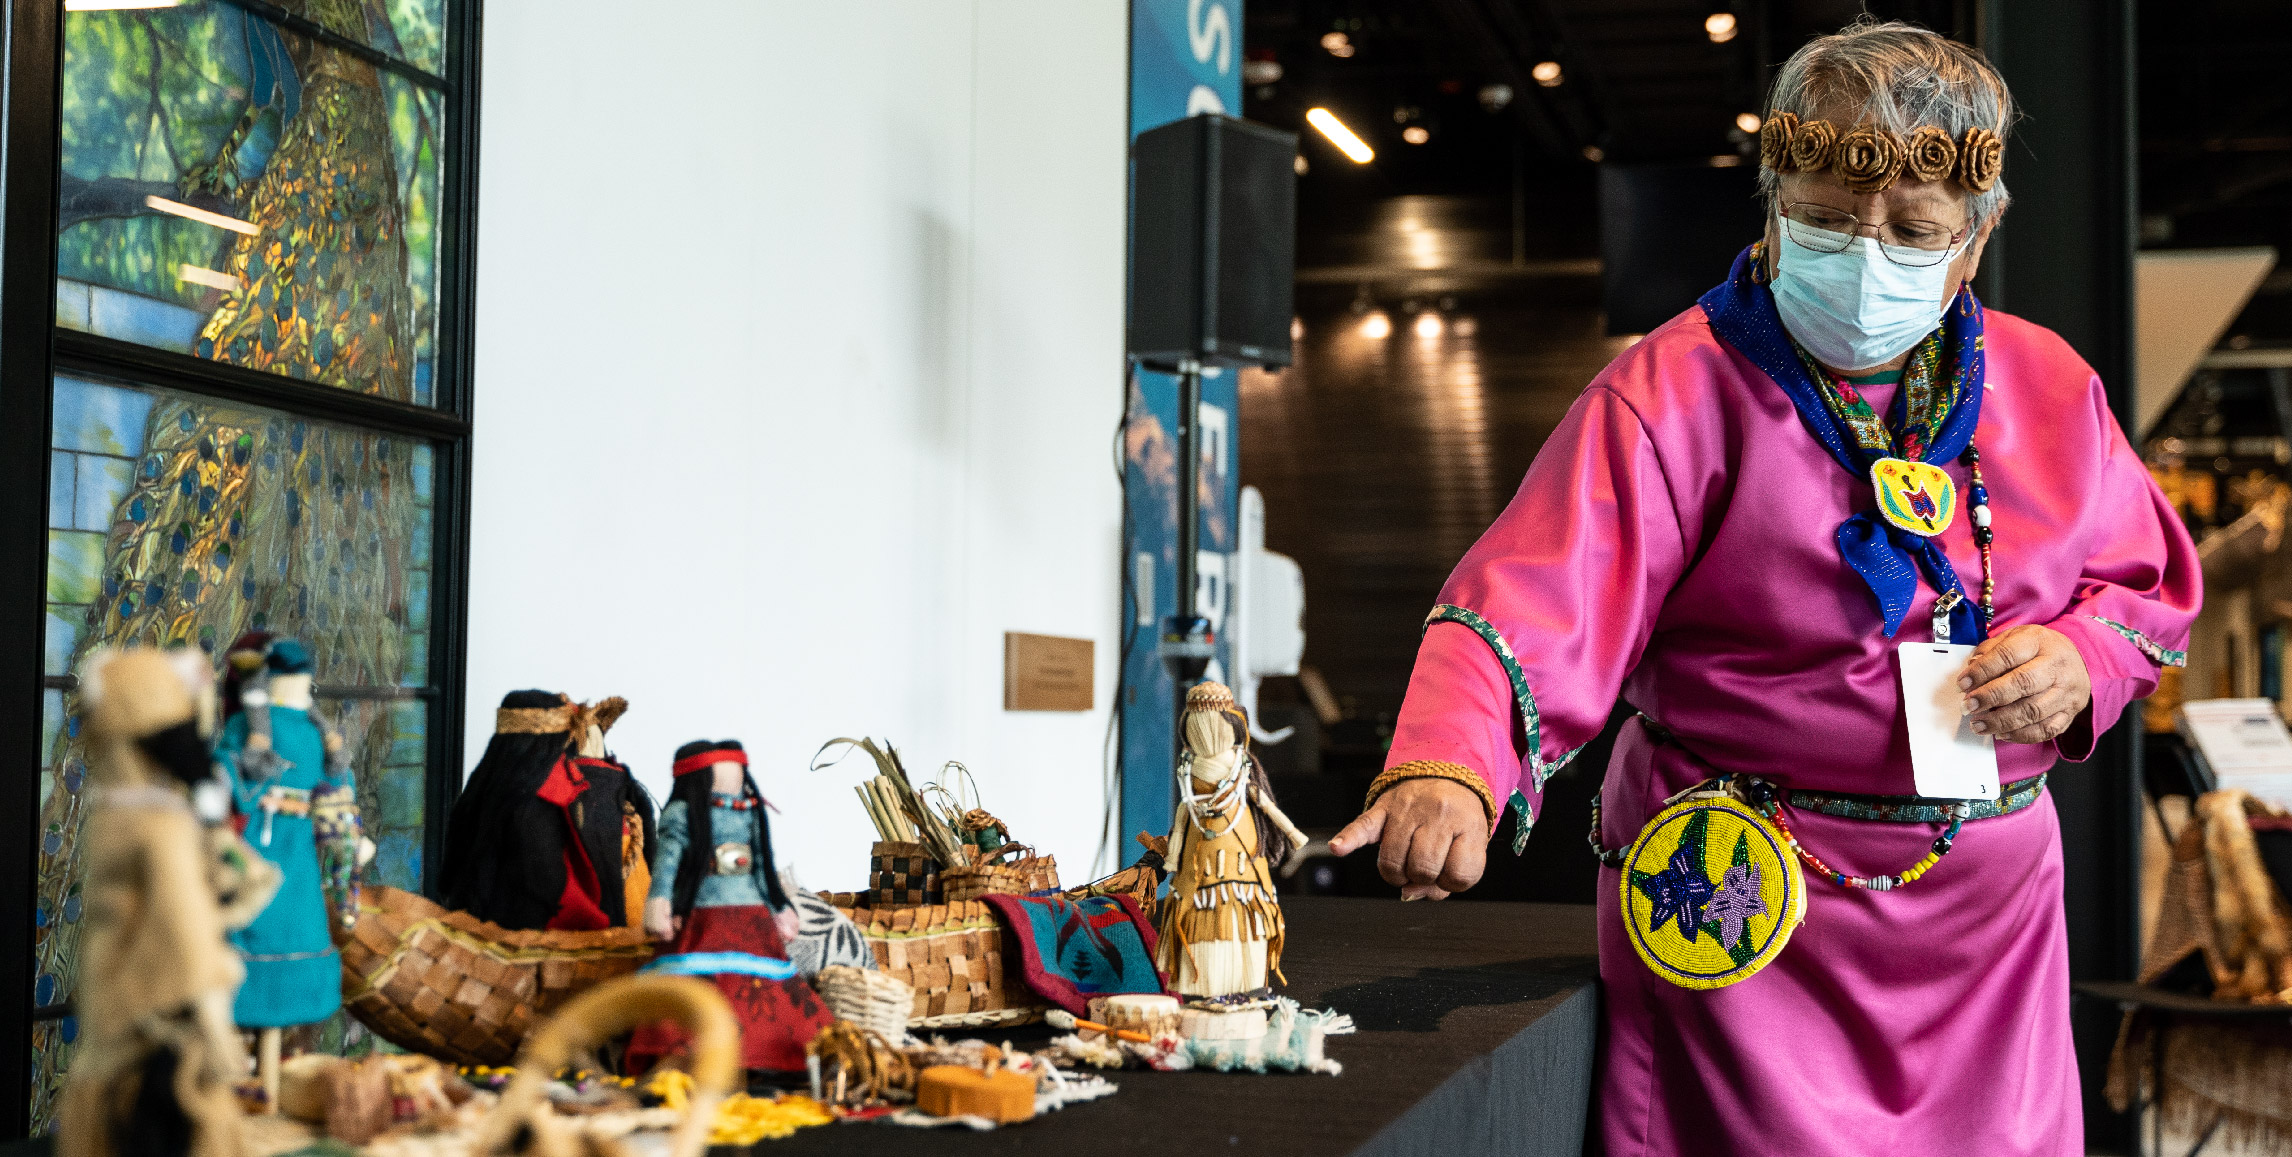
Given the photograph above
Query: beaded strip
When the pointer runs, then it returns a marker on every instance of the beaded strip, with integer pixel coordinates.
(738, 803)
(1771, 807)
(1978, 504)
(1433, 769)
(1770, 801)
(2157, 652)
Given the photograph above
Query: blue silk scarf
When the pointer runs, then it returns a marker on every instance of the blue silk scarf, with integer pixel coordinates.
(1889, 559)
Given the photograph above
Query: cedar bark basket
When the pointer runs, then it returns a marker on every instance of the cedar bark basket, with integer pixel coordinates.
(460, 989)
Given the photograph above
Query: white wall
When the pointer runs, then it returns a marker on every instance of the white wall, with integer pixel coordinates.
(799, 359)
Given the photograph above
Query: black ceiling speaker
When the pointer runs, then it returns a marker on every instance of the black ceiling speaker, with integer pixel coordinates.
(1213, 242)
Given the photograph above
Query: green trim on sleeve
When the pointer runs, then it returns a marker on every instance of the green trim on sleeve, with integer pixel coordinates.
(2157, 653)
(1539, 770)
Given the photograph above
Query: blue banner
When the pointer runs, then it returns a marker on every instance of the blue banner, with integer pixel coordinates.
(1185, 58)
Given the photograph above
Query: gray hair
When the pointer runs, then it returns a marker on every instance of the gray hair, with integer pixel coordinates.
(1897, 76)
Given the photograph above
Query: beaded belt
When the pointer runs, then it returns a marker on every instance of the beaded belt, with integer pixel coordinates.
(1900, 809)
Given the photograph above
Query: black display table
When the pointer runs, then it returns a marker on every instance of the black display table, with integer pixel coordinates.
(1476, 1026)
(1476, 1030)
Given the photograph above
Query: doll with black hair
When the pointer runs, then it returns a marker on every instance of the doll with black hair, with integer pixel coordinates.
(718, 902)
(550, 831)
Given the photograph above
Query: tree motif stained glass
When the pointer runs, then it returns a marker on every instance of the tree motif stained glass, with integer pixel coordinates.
(236, 191)
(177, 520)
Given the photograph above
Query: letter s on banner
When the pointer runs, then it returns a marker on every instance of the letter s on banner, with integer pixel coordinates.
(1211, 33)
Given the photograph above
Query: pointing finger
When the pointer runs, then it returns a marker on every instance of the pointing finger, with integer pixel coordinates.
(1363, 831)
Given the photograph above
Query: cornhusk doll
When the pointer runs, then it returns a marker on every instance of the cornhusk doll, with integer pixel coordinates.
(719, 904)
(154, 1067)
(288, 777)
(1221, 928)
(550, 829)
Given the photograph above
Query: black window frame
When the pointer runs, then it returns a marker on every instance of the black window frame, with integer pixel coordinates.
(33, 351)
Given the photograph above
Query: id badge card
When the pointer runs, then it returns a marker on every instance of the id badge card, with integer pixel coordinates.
(1947, 759)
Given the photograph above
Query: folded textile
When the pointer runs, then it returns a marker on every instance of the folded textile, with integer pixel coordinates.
(1073, 949)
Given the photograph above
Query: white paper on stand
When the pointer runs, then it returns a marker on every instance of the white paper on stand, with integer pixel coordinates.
(2245, 744)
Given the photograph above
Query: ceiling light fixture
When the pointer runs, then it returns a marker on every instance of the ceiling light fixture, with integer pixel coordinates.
(1595, 154)
(1256, 72)
(1494, 97)
(1720, 27)
(1298, 163)
(1547, 73)
(1749, 122)
(1376, 327)
(1428, 324)
(1416, 134)
(1338, 44)
(1352, 146)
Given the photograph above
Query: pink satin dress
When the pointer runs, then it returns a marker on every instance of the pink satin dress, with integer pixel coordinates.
(1674, 544)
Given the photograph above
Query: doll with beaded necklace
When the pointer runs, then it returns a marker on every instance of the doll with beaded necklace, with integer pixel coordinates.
(720, 907)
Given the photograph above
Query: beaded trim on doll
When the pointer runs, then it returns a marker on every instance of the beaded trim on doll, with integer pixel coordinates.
(2157, 653)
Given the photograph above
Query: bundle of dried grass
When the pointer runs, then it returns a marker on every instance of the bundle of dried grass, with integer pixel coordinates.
(893, 805)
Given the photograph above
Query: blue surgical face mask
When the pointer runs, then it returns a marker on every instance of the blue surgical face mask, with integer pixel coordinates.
(1856, 308)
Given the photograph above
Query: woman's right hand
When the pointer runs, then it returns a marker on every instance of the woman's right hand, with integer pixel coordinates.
(660, 919)
(1432, 837)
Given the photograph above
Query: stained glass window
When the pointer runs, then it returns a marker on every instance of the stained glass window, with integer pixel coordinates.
(239, 192)
(261, 186)
(178, 520)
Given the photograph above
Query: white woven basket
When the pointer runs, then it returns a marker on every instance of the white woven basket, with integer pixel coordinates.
(868, 997)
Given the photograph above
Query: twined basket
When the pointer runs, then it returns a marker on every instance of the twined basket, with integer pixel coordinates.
(463, 990)
(1010, 870)
(952, 956)
(868, 997)
(902, 875)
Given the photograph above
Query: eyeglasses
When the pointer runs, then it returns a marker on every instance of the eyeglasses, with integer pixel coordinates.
(1913, 242)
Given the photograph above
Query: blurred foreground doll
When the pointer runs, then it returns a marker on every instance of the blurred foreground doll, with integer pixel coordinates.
(1221, 929)
(291, 784)
(154, 1068)
(718, 902)
(551, 831)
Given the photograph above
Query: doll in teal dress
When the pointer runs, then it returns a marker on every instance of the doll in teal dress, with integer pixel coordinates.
(293, 790)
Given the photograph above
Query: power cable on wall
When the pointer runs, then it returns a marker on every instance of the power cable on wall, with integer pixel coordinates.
(1110, 755)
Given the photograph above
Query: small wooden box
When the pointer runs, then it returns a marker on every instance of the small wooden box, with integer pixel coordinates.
(1047, 673)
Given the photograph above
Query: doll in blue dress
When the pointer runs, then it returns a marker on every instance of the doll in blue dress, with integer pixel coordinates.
(291, 786)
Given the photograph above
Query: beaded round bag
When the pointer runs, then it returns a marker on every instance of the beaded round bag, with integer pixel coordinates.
(1711, 892)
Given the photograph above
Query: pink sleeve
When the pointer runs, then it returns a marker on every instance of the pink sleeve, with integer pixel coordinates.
(1545, 616)
(2138, 595)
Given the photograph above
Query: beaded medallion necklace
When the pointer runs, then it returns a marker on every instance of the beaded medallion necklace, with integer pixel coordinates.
(1926, 398)
(1921, 406)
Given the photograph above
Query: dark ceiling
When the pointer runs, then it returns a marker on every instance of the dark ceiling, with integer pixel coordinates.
(1642, 81)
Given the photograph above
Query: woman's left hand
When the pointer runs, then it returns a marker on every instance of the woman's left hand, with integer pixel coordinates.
(2026, 685)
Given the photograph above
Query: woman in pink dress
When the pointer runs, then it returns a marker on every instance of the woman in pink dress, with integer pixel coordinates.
(1702, 538)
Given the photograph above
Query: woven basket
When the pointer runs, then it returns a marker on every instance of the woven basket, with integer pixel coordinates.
(953, 957)
(460, 989)
(902, 875)
(1010, 870)
(868, 997)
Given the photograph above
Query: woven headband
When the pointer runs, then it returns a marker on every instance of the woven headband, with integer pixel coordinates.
(711, 758)
(566, 717)
(1870, 159)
